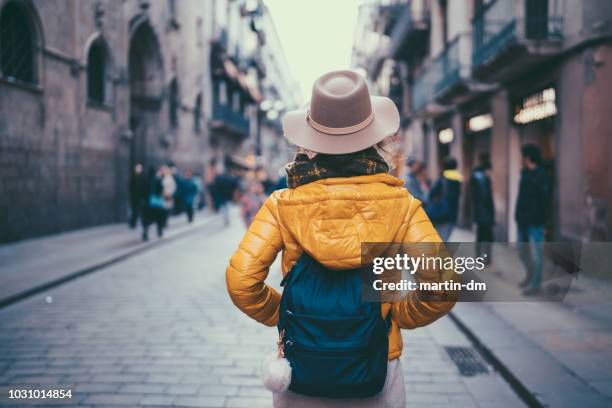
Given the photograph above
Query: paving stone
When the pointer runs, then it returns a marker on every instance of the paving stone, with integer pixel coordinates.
(158, 400)
(96, 387)
(223, 390)
(113, 399)
(182, 389)
(200, 401)
(142, 388)
(254, 392)
(254, 402)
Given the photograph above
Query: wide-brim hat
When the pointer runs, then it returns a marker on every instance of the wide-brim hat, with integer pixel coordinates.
(341, 117)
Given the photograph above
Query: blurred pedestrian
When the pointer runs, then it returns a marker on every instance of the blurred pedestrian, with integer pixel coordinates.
(266, 181)
(178, 205)
(155, 211)
(168, 189)
(340, 195)
(282, 179)
(189, 192)
(483, 208)
(424, 180)
(226, 187)
(211, 188)
(200, 199)
(251, 201)
(415, 182)
(137, 192)
(531, 214)
(443, 201)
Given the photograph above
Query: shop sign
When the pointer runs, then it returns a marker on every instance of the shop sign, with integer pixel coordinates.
(480, 123)
(446, 136)
(537, 107)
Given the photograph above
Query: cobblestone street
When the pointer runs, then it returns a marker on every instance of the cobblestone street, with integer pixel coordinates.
(158, 329)
(460, 148)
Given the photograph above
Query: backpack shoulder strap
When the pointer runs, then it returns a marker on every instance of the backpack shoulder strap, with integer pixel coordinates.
(295, 270)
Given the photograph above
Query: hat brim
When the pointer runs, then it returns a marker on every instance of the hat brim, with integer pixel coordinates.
(386, 122)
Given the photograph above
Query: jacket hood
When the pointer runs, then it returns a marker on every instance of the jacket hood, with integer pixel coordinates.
(331, 218)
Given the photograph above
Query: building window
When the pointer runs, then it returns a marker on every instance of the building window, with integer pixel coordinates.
(222, 93)
(200, 32)
(197, 114)
(172, 20)
(236, 101)
(18, 44)
(97, 66)
(173, 103)
(444, 17)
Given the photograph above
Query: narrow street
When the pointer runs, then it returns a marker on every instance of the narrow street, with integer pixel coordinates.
(158, 329)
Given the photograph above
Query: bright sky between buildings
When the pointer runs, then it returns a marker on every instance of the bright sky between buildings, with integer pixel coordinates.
(317, 36)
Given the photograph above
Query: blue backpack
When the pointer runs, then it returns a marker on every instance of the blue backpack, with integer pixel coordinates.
(336, 344)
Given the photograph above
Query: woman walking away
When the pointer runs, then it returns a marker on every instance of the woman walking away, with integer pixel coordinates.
(338, 351)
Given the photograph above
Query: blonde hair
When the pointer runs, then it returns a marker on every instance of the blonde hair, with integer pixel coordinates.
(386, 148)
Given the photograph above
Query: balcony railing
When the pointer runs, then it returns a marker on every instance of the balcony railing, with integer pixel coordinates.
(497, 25)
(224, 117)
(390, 14)
(409, 23)
(422, 90)
(452, 64)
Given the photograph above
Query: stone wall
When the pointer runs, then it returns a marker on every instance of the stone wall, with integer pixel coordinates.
(64, 162)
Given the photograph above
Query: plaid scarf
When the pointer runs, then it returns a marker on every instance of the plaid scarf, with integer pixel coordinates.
(304, 170)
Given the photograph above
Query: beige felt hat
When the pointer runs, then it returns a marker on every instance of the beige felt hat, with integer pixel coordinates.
(342, 117)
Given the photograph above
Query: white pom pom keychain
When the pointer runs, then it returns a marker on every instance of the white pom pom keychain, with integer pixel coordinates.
(275, 368)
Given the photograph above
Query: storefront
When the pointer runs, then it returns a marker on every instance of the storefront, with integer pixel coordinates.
(477, 144)
(445, 137)
(535, 121)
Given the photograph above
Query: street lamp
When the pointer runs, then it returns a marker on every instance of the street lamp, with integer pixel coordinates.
(265, 105)
(272, 115)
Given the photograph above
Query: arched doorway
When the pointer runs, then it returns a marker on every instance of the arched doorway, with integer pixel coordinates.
(146, 92)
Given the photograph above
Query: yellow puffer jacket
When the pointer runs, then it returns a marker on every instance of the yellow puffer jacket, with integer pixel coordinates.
(329, 219)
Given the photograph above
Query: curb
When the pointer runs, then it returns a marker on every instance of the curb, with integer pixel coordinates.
(12, 299)
(521, 390)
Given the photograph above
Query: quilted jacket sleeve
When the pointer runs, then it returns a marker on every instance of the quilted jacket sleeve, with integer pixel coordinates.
(249, 267)
(417, 310)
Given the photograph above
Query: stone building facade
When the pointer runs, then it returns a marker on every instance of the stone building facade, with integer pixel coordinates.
(89, 88)
(487, 76)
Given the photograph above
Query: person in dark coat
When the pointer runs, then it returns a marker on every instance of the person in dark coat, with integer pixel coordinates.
(189, 192)
(155, 211)
(483, 208)
(266, 181)
(137, 191)
(531, 214)
(414, 179)
(443, 201)
(225, 187)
